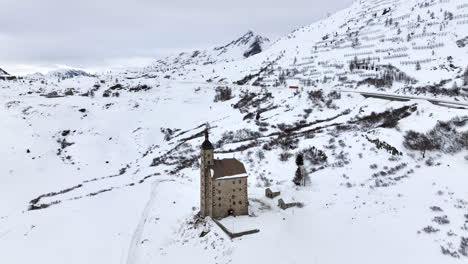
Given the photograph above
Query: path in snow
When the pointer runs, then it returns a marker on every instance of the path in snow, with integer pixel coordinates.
(132, 254)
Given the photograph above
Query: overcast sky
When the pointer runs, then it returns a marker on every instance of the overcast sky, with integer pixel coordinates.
(93, 34)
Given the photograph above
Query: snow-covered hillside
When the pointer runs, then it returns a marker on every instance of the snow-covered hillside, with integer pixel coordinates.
(423, 41)
(246, 46)
(2, 72)
(58, 75)
(105, 168)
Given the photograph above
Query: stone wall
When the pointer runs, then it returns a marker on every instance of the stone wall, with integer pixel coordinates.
(234, 235)
(230, 194)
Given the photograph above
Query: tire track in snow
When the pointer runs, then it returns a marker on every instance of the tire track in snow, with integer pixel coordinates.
(132, 254)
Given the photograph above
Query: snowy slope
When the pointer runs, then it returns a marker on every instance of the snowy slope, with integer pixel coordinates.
(66, 74)
(2, 72)
(424, 39)
(61, 75)
(104, 168)
(246, 46)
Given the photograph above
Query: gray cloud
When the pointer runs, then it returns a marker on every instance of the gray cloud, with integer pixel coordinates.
(94, 33)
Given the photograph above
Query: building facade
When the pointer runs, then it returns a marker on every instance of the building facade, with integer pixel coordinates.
(223, 184)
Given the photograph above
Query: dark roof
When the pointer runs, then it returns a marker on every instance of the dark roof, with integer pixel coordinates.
(227, 167)
(207, 144)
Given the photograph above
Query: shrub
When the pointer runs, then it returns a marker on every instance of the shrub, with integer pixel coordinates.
(316, 95)
(443, 137)
(139, 87)
(298, 177)
(223, 94)
(284, 156)
(299, 160)
(417, 141)
(260, 155)
(387, 119)
(382, 144)
(238, 136)
(314, 156)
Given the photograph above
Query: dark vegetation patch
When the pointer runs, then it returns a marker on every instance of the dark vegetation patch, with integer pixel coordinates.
(341, 159)
(168, 133)
(251, 100)
(463, 249)
(223, 94)
(240, 135)
(461, 43)
(435, 89)
(441, 220)
(91, 92)
(250, 77)
(114, 89)
(69, 91)
(100, 191)
(36, 204)
(443, 137)
(188, 130)
(285, 156)
(286, 138)
(318, 97)
(314, 156)
(139, 88)
(386, 119)
(388, 74)
(447, 251)
(388, 176)
(178, 155)
(384, 145)
(63, 145)
(430, 229)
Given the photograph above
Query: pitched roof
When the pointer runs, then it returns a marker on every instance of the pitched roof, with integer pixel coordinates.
(228, 167)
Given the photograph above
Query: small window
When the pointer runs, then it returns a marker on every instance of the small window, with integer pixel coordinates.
(219, 199)
(219, 184)
(240, 202)
(233, 182)
(240, 189)
(219, 191)
(234, 203)
(240, 181)
(219, 205)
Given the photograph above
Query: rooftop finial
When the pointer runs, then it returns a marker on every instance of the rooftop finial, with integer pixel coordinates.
(207, 144)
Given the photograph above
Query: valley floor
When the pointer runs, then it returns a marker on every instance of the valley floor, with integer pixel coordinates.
(115, 179)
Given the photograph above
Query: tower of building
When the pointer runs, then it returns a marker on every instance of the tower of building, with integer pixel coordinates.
(206, 163)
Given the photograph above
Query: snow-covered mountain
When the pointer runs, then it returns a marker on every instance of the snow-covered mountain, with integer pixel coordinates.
(246, 46)
(66, 74)
(421, 40)
(61, 74)
(2, 72)
(105, 168)
(6, 76)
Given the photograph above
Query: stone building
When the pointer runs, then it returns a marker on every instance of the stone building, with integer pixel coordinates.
(223, 185)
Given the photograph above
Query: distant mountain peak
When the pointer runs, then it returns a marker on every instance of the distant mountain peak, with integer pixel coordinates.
(2, 72)
(248, 39)
(243, 47)
(66, 73)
